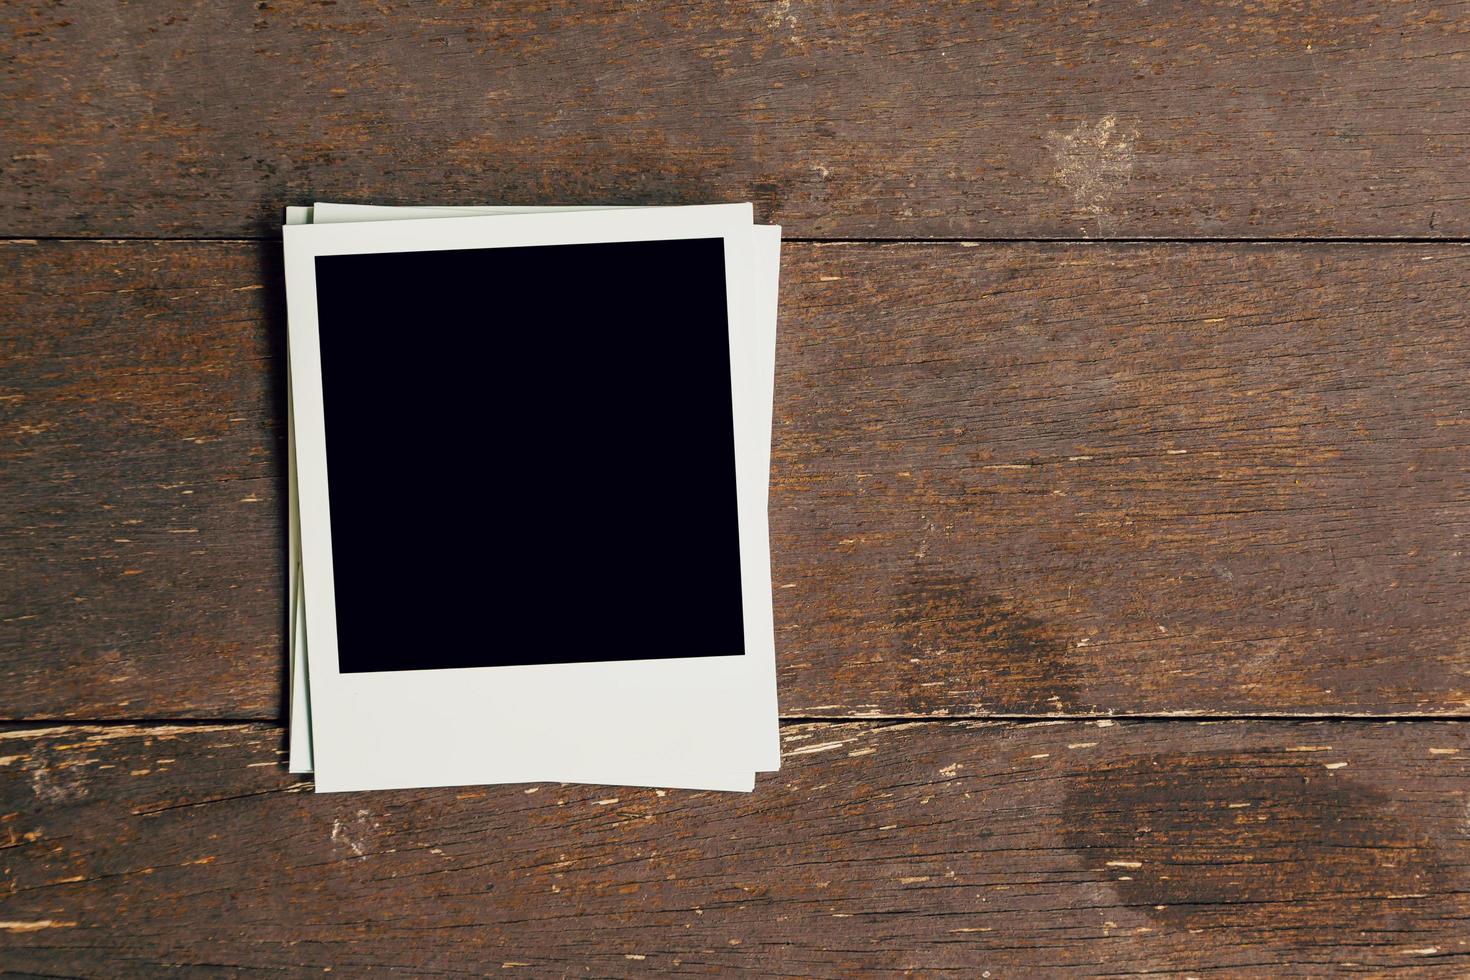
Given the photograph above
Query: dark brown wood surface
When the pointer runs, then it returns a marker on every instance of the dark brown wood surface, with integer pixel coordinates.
(1007, 479)
(1011, 478)
(852, 119)
(1243, 849)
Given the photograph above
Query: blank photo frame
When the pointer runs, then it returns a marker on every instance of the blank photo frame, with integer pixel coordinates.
(766, 242)
(401, 723)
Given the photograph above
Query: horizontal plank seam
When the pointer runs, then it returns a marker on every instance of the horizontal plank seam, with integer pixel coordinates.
(795, 720)
(1304, 240)
(1146, 717)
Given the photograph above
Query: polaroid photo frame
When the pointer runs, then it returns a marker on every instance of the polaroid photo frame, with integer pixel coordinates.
(371, 730)
(767, 241)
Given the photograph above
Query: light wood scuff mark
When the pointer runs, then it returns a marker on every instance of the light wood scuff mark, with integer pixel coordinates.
(1093, 160)
(812, 749)
(109, 733)
(35, 925)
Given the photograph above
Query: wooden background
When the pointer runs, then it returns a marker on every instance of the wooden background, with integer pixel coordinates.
(1120, 486)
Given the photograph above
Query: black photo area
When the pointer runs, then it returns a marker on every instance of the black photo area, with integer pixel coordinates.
(530, 455)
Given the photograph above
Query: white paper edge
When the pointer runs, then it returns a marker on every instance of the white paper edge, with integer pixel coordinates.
(300, 742)
(575, 221)
(768, 248)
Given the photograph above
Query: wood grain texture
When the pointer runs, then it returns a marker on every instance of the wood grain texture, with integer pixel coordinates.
(853, 119)
(1261, 849)
(1137, 479)
(142, 570)
(1006, 479)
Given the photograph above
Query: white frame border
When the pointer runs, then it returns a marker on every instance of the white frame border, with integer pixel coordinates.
(399, 728)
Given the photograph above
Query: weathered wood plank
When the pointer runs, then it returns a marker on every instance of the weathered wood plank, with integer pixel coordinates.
(1148, 479)
(1006, 479)
(1266, 849)
(858, 119)
(143, 565)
